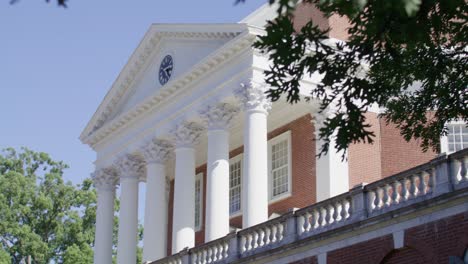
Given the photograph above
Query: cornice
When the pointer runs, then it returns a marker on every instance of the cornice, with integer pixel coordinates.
(97, 130)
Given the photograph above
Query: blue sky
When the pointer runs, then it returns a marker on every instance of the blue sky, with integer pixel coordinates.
(57, 64)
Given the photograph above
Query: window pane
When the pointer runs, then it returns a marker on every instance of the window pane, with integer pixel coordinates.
(279, 164)
(235, 187)
(197, 203)
(457, 137)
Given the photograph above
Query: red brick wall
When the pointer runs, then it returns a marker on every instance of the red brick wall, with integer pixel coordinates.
(397, 154)
(364, 159)
(170, 213)
(368, 252)
(307, 12)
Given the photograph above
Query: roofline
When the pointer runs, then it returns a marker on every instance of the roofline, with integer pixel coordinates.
(143, 50)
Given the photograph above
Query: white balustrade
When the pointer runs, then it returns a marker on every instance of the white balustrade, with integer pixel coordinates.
(262, 235)
(323, 215)
(213, 252)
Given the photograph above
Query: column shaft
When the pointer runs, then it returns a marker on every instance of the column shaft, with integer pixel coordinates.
(183, 232)
(128, 221)
(217, 194)
(155, 232)
(255, 181)
(331, 172)
(104, 225)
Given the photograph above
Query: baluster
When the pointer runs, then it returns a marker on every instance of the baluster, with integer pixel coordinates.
(377, 198)
(279, 233)
(321, 217)
(248, 242)
(301, 223)
(316, 219)
(337, 212)
(216, 252)
(404, 190)
(413, 187)
(343, 213)
(266, 235)
(386, 198)
(209, 255)
(194, 258)
(261, 237)
(395, 193)
(254, 239)
(226, 250)
(273, 231)
(243, 244)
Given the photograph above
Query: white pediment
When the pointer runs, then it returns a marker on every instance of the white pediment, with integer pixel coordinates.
(185, 52)
(189, 44)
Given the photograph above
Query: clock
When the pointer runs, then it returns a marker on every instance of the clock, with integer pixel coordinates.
(165, 70)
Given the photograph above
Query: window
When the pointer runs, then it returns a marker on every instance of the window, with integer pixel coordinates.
(198, 201)
(457, 137)
(280, 166)
(235, 176)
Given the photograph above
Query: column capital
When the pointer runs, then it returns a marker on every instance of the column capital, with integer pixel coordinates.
(187, 134)
(219, 116)
(105, 178)
(157, 151)
(253, 96)
(130, 166)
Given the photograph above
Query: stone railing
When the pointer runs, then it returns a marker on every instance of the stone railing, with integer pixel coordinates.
(445, 174)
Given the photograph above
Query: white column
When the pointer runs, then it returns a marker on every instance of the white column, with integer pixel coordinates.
(104, 180)
(156, 152)
(217, 194)
(332, 177)
(255, 177)
(130, 169)
(183, 228)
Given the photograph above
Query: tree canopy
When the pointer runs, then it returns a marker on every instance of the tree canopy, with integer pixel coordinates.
(409, 57)
(42, 217)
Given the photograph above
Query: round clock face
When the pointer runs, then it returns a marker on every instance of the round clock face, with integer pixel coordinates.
(165, 70)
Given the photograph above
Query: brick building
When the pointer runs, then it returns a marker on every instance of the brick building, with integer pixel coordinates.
(236, 178)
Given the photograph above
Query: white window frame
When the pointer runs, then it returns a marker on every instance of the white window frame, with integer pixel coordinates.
(444, 144)
(284, 136)
(235, 159)
(199, 177)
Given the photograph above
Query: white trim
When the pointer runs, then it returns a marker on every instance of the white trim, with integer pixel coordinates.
(199, 177)
(284, 136)
(444, 142)
(237, 158)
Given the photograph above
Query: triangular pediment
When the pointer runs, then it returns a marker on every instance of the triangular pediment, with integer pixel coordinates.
(187, 44)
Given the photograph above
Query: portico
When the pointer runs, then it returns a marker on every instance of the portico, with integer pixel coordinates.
(152, 131)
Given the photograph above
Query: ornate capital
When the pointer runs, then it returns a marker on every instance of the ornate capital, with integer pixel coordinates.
(105, 178)
(187, 134)
(253, 97)
(219, 116)
(130, 166)
(157, 151)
